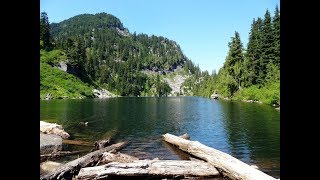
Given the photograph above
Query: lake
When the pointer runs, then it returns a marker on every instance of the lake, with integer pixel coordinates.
(247, 131)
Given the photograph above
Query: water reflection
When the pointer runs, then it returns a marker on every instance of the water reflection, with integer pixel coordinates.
(253, 134)
(248, 131)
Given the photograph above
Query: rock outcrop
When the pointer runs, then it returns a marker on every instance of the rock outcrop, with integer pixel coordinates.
(53, 128)
(175, 84)
(215, 95)
(50, 143)
(63, 66)
(103, 93)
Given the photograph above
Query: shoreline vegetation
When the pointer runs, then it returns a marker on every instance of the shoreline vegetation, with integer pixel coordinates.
(105, 161)
(101, 58)
(94, 55)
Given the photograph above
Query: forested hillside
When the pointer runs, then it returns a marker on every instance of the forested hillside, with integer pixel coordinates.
(251, 73)
(97, 52)
(103, 54)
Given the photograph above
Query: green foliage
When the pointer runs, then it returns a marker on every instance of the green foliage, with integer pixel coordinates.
(253, 74)
(268, 94)
(45, 36)
(52, 58)
(57, 82)
(61, 84)
(100, 50)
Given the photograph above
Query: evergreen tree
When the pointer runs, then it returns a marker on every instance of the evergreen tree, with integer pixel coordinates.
(254, 52)
(267, 49)
(276, 34)
(235, 59)
(45, 31)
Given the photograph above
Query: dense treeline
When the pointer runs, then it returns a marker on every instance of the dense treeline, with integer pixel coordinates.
(102, 53)
(253, 73)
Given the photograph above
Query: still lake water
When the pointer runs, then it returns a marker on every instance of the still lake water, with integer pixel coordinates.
(247, 131)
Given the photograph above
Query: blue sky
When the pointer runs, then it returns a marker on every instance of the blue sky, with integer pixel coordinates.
(202, 28)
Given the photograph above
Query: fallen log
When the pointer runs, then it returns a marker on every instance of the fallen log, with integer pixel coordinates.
(228, 165)
(185, 136)
(101, 144)
(48, 166)
(150, 168)
(59, 154)
(108, 157)
(72, 167)
(77, 142)
(105, 141)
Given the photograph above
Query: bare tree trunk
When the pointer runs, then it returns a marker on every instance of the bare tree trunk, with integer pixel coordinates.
(77, 142)
(150, 168)
(228, 165)
(58, 154)
(72, 167)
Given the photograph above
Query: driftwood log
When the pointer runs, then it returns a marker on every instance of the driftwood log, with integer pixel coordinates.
(228, 165)
(59, 154)
(101, 144)
(72, 167)
(105, 141)
(108, 157)
(77, 142)
(150, 168)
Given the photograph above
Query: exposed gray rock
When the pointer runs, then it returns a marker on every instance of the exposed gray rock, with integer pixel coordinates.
(214, 95)
(53, 128)
(103, 93)
(175, 84)
(123, 32)
(48, 96)
(63, 66)
(50, 143)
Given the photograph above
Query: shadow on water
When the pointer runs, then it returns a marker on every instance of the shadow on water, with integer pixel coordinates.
(181, 154)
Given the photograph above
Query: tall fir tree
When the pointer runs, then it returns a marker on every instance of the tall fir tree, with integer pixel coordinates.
(45, 31)
(234, 61)
(253, 53)
(236, 58)
(267, 49)
(276, 34)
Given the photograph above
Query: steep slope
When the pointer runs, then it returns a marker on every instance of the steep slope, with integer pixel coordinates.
(103, 53)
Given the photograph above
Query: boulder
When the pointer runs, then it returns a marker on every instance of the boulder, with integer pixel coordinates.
(53, 128)
(50, 143)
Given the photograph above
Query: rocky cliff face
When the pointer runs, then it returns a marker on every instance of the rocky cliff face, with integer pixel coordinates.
(175, 84)
(103, 93)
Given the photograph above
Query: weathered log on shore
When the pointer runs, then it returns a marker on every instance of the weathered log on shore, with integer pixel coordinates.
(101, 144)
(58, 154)
(150, 168)
(48, 166)
(108, 157)
(72, 167)
(185, 136)
(105, 141)
(77, 142)
(228, 165)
